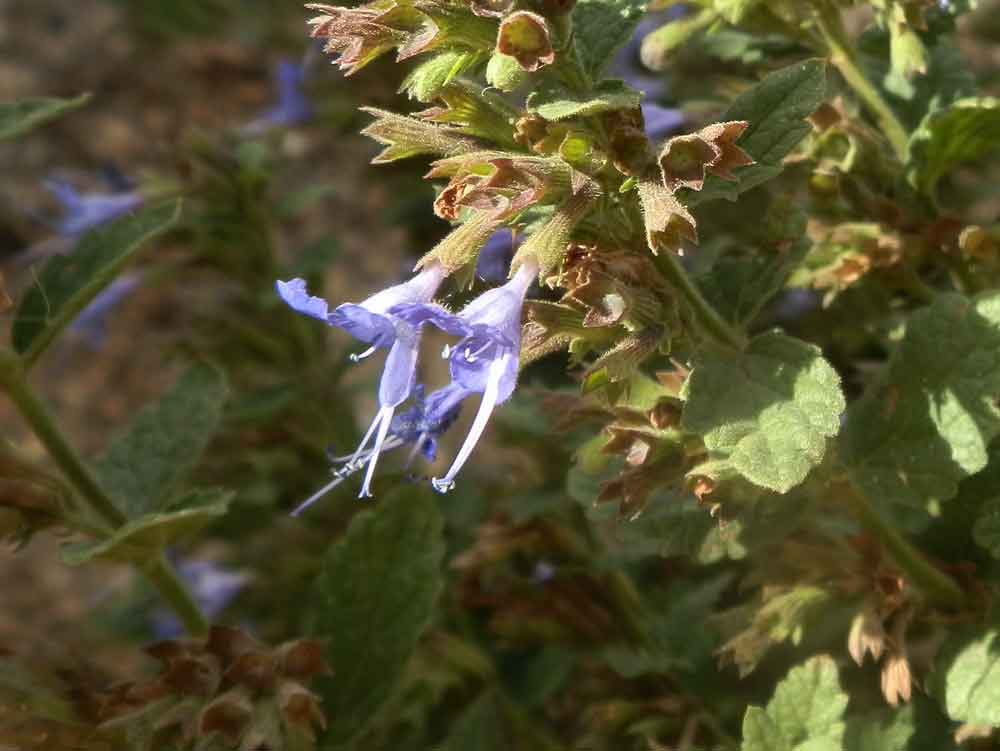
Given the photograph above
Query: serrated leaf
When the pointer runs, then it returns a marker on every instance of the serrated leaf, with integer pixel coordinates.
(164, 443)
(776, 109)
(769, 409)
(24, 115)
(601, 27)
(805, 713)
(927, 423)
(881, 731)
(557, 103)
(144, 538)
(967, 130)
(426, 80)
(68, 283)
(374, 599)
(966, 678)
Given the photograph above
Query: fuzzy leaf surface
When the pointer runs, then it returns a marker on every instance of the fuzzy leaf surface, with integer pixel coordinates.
(374, 598)
(881, 731)
(24, 115)
(928, 422)
(776, 109)
(966, 678)
(163, 443)
(805, 713)
(768, 410)
(556, 103)
(142, 539)
(601, 27)
(68, 283)
(966, 130)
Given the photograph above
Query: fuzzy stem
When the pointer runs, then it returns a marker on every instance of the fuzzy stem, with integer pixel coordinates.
(79, 475)
(831, 27)
(939, 588)
(670, 266)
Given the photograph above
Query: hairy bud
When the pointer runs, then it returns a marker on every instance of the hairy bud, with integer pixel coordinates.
(525, 37)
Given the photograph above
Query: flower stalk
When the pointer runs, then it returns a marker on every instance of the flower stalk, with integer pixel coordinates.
(79, 475)
(936, 585)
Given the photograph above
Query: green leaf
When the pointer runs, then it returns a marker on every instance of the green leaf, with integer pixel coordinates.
(928, 421)
(805, 713)
(426, 80)
(479, 728)
(24, 115)
(769, 410)
(986, 530)
(967, 130)
(966, 678)
(375, 597)
(142, 539)
(601, 27)
(776, 109)
(163, 443)
(881, 731)
(68, 283)
(557, 103)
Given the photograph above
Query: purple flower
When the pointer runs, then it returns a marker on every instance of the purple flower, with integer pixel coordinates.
(495, 256)
(421, 425)
(661, 121)
(485, 360)
(82, 212)
(373, 323)
(213, 588)
(292, 107)
(91, 323)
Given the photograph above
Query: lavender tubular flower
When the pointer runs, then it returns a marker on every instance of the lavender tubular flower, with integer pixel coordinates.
(485, 360)
(661, 121)
(91, 323)
(372, 322)
(83, 212)
(495, 256)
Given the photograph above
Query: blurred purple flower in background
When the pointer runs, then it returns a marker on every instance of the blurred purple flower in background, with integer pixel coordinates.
(661, 121)
(213, 588)
(496, 255)
(91, 324)
(84, 211)
(293, 106)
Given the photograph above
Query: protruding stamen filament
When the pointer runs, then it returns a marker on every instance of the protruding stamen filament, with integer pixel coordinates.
(338, 478)
(382, 419)
(490, 396)
(359, 356)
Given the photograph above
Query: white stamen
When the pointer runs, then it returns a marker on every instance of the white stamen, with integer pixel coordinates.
(446, 352)
(418, 444)
(358, 357)
(490, 395)
(384, 418)
(338, 478)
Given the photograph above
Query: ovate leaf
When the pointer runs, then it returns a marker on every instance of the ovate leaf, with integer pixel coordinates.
(374, 599)
(881, 731)
(24, 115)
(805, 713)
(556, 103)
(601, 27)
(164, 443)
(144, 538)
(966, 678)
(68, 283)
(967, 130)
(776, 109)
(929, 420)
(768, 410)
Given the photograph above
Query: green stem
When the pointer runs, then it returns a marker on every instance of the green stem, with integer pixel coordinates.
(163, 576)
(831, 27)
(37, 415)
(939, 588)
(670, 266)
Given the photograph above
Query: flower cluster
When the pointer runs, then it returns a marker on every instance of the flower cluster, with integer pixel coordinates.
(484, 361)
